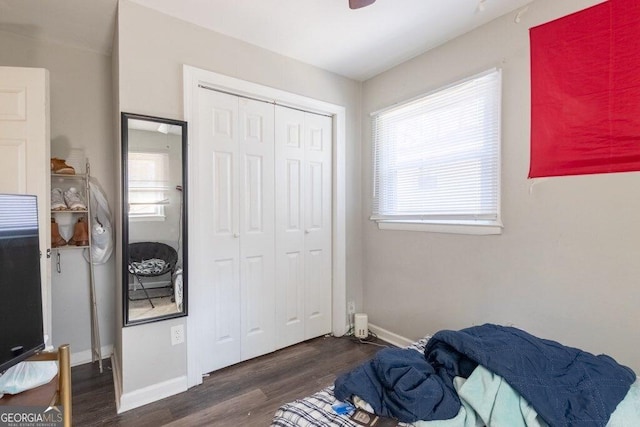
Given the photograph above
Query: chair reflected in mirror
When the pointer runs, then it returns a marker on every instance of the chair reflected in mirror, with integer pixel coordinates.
(152, 260)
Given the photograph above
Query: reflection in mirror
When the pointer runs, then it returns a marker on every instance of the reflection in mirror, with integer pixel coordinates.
(154, 227)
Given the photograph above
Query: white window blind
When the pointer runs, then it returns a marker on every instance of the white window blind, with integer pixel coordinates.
(437, 158)
(148, 179)
(18, 215)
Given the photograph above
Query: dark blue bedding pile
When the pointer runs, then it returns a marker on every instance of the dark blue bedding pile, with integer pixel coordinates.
(566, 386)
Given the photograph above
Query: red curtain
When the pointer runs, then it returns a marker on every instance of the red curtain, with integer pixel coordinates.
(585, 92)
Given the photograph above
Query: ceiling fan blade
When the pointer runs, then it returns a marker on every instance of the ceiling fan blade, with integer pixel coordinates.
(357, 4)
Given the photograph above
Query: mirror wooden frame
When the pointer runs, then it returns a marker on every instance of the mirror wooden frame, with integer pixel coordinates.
(125, 118)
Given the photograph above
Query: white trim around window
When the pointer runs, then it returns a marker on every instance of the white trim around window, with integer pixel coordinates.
(437, 160)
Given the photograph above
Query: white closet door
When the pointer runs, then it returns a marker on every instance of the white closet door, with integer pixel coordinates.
(303, 225)
(264, 211)
(289, 195)
(257, 223)
(24, 154)
(317, 213)
(219, 228)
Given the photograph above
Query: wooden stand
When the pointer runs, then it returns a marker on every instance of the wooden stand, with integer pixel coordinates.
(52, 394)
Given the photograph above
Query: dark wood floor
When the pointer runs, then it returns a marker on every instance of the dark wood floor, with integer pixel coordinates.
(246, 394)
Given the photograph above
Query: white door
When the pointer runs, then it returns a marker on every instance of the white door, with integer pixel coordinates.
(257, 223)
(317, 212)
(236, 227)
(303, 225)
(290, 225)
(217, 229)
(24, 154)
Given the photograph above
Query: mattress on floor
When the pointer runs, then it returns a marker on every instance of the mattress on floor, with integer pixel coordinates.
(316, 411)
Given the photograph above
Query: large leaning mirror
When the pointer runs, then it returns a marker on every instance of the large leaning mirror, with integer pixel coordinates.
(154, 226)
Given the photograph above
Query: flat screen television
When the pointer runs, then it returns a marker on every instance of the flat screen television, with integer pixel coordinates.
(21, 332)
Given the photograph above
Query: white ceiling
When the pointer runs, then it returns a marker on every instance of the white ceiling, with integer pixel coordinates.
(326, 33)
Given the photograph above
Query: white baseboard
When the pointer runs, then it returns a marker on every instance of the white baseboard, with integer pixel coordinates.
(390, 337)
(152, 393)
(82, 357)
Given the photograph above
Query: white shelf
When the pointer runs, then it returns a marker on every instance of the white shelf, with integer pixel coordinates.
(70, 247)
(69, 211)
(74, 176)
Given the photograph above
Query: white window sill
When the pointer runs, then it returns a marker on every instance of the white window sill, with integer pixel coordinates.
(481, 229)
(146, 218)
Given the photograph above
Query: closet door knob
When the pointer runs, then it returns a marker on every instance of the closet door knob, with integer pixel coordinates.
(236, 235)
(307, 231)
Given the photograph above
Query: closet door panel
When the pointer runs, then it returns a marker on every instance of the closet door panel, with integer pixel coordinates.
(257, 227)
(225, 316)
(218, 203)
(317, 219)
(222, 194)
(290, 233)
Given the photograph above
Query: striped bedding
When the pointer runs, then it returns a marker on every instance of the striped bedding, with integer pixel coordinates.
(315, 410)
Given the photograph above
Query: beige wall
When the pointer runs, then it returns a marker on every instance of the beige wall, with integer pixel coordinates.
(153, 48)
(566, 266)
(80, 89)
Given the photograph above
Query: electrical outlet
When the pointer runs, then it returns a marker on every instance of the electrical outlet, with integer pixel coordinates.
(351, 307)
(177, 334)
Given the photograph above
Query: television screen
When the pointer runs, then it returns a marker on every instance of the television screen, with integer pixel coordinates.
(21, 333)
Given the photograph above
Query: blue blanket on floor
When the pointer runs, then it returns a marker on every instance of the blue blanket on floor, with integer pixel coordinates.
(399, 383)
(566, 386)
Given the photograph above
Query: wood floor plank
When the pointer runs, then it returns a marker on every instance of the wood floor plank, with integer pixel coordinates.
(246, 394)
(228, 412)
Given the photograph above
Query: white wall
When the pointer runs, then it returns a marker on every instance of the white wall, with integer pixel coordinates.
(566, 266)
(80, 85)
(153, 48)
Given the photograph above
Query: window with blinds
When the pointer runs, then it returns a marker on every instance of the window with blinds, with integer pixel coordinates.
(148, 177)
(18, 215)
(437, 157)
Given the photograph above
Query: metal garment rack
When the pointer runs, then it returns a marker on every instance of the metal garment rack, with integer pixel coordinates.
(96, 348)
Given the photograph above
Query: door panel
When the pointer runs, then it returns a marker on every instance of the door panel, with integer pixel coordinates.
(25, 155)
(317, 244)
(257, 228)
(289, 195)
(254, 171)
(293, 195)
(303, 225)
(13, 164)
(219, 246)
(226, 316)
(223, 206)
(316, 182)
(292, 295)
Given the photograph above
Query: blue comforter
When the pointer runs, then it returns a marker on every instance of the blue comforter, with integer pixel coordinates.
(566, 386)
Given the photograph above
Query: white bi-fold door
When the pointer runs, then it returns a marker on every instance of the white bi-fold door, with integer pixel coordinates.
(303, 225)
(264, 220)
(236, 171)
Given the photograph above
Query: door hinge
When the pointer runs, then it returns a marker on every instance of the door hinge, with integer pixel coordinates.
(48, 253)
